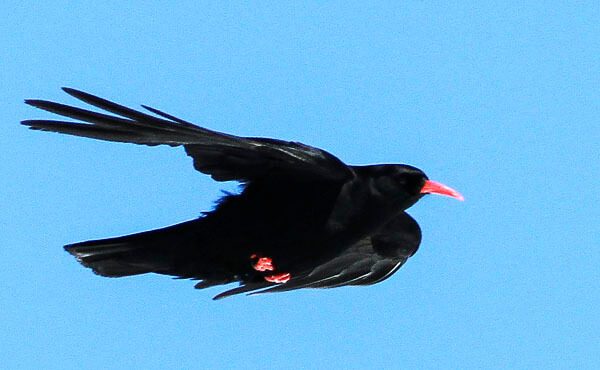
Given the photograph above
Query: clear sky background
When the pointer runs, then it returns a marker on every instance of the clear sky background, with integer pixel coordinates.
(500, 100)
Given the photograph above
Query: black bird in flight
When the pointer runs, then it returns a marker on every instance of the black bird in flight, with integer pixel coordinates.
(303, 220)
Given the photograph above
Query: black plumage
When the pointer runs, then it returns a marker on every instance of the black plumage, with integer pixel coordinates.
(304, 219)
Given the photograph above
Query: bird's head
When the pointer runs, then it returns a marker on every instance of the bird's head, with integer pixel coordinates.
(407, 184)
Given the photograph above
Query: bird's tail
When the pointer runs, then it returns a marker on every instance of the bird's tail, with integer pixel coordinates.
(161, 251)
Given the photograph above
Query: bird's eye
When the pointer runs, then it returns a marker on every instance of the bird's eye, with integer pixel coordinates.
(401, 180)
(412, 184)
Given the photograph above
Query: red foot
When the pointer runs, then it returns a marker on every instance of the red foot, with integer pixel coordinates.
(279, 278)
(266, 264)
(263, 264)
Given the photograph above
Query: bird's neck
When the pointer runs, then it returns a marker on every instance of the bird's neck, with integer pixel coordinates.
(358, 213)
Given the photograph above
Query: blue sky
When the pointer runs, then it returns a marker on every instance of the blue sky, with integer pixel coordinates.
(499, 100)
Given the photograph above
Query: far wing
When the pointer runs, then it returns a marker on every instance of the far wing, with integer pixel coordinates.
(371, 260)
(224, 157)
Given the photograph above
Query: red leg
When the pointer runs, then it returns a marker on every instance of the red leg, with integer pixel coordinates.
(263, 264)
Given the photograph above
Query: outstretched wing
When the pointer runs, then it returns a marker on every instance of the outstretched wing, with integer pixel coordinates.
(224, 157)
(371, 260)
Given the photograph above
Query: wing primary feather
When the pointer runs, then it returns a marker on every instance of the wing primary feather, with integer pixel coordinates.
(168, 116)
(243, 289)
(115, 108)
(98, 119)
(290, 285)
(379, 274)
(81, 129)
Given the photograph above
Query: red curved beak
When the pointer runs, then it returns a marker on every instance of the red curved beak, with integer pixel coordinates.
(432, 187)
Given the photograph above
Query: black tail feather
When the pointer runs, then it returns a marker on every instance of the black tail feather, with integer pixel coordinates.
(161, 251)
(112, 258)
